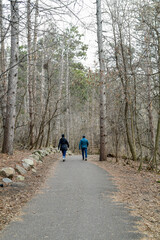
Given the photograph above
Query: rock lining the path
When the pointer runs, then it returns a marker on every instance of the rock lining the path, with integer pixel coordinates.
(28, 164)
(20, 170)
(7, 172)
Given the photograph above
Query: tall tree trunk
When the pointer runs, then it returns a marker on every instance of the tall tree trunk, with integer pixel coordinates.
(58, 123)
(12, 81)
(42, 78)
(67, 98)
(103, 154)
(92, 120)
(30, 78)
(3, 79)
(154, 161)
(130, 137)
(35, 54)
(150, 116)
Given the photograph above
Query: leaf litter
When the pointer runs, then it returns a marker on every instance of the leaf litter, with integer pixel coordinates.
(140, 191)
(12, 199)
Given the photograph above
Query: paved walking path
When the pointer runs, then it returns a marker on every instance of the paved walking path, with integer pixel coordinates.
(74, 205)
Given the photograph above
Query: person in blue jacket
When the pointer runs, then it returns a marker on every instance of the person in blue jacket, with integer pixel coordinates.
(83, 145)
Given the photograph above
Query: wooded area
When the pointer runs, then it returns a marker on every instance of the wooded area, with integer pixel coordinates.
(47, 91)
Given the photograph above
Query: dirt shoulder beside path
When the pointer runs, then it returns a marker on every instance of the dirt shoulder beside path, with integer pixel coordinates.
(140, 191)
(13, 198)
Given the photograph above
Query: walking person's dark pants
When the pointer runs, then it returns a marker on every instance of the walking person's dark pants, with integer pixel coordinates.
(84, 153)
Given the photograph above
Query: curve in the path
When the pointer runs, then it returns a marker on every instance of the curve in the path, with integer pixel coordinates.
(75, 204)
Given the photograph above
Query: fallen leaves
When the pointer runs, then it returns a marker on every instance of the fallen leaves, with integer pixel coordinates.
(13, 198)
(139, 190)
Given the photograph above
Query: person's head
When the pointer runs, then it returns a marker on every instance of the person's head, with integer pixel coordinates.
(83, 136)
(62, 135)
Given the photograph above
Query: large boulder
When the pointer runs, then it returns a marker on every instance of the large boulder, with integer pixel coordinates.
(20, 170)
(7, 172)
(28, 161)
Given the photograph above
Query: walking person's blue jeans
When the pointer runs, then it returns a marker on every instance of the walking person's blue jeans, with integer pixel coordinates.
(64, 153)
(84, 153)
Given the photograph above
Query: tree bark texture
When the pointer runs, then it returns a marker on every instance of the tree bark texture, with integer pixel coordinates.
(154, 162)
(67, 97)
(30, 77)
(103, 154)
(58, 122)
(3, 79)
(12, 81)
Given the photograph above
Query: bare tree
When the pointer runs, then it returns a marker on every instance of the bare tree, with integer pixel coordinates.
(3, 79)
(103, 154)
(12, 81)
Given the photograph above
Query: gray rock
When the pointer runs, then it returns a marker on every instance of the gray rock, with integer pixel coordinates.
(7, 180)
(7, 172)
(18, 184)
(20, 178)
(49, 150)
(37, 157)
(38, 154)
(41, 153)
(28, 161)
(20, 170)
(26, 166)
(34, 170)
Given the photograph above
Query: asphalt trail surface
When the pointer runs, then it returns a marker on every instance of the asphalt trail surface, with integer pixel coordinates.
(74, 204)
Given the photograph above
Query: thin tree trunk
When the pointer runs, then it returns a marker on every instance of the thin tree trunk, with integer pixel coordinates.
(12, 81)
(58, 123)
(103, 154)
(67, 98)
(30, 79)
(35, 54)
(92, 121)
(49, 130)
(150, 116)
(42, 79)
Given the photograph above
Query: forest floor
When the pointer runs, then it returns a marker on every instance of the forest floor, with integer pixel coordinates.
(12, 198)
(140, 191)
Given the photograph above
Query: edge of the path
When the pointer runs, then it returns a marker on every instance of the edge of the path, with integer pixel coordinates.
(139, 191)
(14, 198)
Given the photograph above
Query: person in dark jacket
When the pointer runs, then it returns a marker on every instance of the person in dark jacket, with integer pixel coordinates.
(83, 145)
(63, 146)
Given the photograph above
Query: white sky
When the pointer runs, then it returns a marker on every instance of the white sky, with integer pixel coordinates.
(84, 16)
(87, 15)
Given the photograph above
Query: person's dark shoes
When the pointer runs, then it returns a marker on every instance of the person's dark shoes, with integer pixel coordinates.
(85, 159)
(64, 159)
